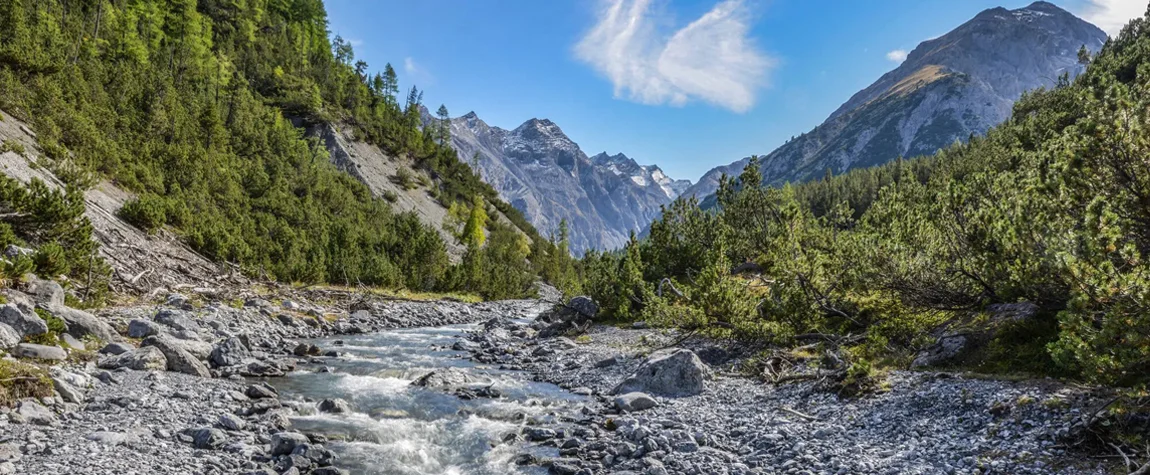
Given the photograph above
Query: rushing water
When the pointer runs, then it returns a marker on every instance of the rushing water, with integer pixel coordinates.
(400, 429)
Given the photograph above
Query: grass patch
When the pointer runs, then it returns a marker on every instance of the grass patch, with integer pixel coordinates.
(21, 380)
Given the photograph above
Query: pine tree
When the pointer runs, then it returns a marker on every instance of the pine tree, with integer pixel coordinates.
(443, 129)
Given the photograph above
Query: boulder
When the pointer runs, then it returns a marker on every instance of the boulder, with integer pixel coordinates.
(72, 342)
(179, 359)
(40, 352)
(231, 422)
(283, 443)
(261, 391)
(68, 392)
(115, 349)
(35, 413)
(443, 378)
(229, 352)
(334, 406)
(141, 359)
(947, 349)
(139, 328)
(634, 401)
(9, 337)
(208, 438)
(176, 320)
(46, 293)
(202, 350)
(671, 372)
(584, 306)
(82, 324)
(25, 323)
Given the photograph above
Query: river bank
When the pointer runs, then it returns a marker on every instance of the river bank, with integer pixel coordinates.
(918, 423)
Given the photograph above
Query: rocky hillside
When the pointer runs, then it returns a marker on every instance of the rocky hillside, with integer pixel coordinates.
(948, 88)
(544, 174)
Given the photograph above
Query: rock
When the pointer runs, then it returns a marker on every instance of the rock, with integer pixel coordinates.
(46, 293)
(257, 303)
(180, 301)
(287, 320)
(40, 352)
(607, 362)
(584, 305)
(231, 422)
(179, 359)
(260, 391)
(1012, 312)
(672, 372)
(229, 352)
(70, 341)
(35, 413)
(334, 406)
(634, 401)
(329, 471)
(306, 349)
(139, 328)
(141, 359)
(112, 438)
(9, 337)
(82, 324)
(208, 438)
(115, 349)
(200, 349)
(25, 323)
(67, 391)
(443, 378)
(945, 350)
(291, 305)
(13, 251)
(176, 320)
(283, 443)
(539, 434)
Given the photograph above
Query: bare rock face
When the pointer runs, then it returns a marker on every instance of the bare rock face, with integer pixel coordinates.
(24, 323)
(672, 372)
(947, 89)
(544, 174)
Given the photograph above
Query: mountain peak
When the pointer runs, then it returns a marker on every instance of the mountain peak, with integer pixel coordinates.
(470, 116)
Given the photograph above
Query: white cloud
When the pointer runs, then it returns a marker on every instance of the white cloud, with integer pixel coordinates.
(354, 42)
(416, 72)
(898, 55)
(1112, 15)
(711, 59)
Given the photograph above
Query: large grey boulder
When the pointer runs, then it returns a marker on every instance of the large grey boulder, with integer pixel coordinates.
(446, 377)
(140, 328)
(9, 337)
(208, 438)
(229, 352)
(334, 406)
(46, 293)
(35, 413)
(671, 372)
(947, 349)
(574, 317)
(635, 401)
(147, 358)
(25, 323)
(283, 443)
(82, 324)
(176, 320)
(40, 352)
(179, 359)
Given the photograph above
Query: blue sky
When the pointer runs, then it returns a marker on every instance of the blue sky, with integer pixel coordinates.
(686, 84)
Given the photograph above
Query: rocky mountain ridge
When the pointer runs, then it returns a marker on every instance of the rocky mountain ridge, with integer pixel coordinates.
(949, 88)
(539, 170)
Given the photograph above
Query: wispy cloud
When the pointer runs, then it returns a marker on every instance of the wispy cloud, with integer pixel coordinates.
(1112, 15)
(898, 55)
(711, 59)
(355, 43)
(416, 72)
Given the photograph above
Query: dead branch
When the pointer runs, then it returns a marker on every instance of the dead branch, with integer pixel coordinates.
(799, 414)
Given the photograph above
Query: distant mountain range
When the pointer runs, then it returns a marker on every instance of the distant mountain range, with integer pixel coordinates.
(543, 173)
(950, 87)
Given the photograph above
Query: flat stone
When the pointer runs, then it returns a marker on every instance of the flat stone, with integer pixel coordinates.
(635, 401)
(41, 352)
(283, 443)
(147, 358)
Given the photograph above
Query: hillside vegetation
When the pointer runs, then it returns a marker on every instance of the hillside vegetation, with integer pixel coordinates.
(189, 104)
(1052, 208)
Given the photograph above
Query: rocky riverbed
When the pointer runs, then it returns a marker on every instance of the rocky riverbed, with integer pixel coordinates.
(325, 384)
(918, 423)
(180, 386)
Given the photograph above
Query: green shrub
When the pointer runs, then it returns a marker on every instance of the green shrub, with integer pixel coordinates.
(13, 146)
(148, 212)
(51, 260)
(404, 178)
(20, 380)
